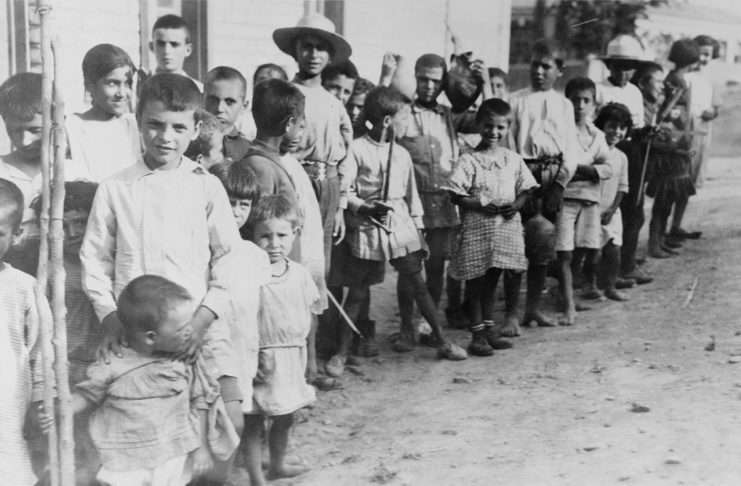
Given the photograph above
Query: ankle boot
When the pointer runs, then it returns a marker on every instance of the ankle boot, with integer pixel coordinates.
(479, 345)
(367, 347)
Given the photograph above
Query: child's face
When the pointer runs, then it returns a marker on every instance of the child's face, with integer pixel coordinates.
(493, 129)
(241, 210)
(653, 88)
(9, 230)
(26, 136)
(215, 150)
(312, 54)
(275, 236)
(341, 87)
(112, 92)
(225, 100)
(429, 83)
(706, 54)
(355, 106)
(166, 134)
(75, 224)
(614, 132)
(399, 119)
(174, 333)
(170, 47)
(620, 73)
(293, 136)
(498, 87)
(544, 72)
(583, 102)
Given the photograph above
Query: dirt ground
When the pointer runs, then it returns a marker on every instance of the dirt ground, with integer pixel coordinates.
(646, 392)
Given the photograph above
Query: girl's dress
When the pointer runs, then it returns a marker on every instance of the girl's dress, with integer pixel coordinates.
(484, 240)
(286, 305)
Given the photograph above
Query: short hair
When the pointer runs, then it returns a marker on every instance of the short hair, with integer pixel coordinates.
(552, 49)
(172, 21)
(227, 73)
(102, 59)
(645, 72)
(274, 101)
(493, 107)
(345, 68)
(706, 40)
(616, 112)
(78, 196)
(580, 83)
(495, 72)
(383, 101)
(11, 198)
(239, 180)
(177, 92)
(272, 68)
(430, 61)
(274, 206)
(146, 302)
(683, 53)
(202, 143)
(362, 86)
(20, 97)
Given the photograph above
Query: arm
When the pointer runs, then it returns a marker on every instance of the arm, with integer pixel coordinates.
(610, 212)
(201, 458)
(412, 199)
(388, 68)
(345, 127)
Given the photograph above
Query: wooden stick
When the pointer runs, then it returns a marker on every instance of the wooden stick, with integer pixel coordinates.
(344, 314)
(691, 293)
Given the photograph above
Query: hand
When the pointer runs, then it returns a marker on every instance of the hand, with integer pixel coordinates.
(709, 114)
(338, 230)
(479, 69)
(192, 348)
(553, 199)
(113, 338)
(508, 211)
(375, 209)
(607, 217)
(201, 461)
(389, 65)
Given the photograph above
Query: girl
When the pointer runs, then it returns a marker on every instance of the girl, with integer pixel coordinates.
(104, 139)
(286, 305)
(490, 185)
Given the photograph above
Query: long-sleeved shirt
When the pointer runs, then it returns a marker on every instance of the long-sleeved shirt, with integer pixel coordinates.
(618, 182)
(174, 223)
(593, 150)
(629, 95)
(543, 126)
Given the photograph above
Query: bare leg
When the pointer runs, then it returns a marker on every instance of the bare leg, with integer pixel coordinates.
(278, 443)
(311, 366)
(566, 288)
(535, 284)
(252, 440)
(435, 272)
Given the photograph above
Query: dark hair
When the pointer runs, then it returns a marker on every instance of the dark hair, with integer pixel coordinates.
(345, 68)
(20, 96)
(78, 196)
(616, 112)
(227, 73)
(706, 40)
(273, 68)
(552, 49)
(12, 197)
(645, 72)
(362, 86)
(202, 143)
(146, 302)
(383, 101)
(274, 101)
(430, 61)
(495, 72)
(239, 180)
(171, 21)
(102, 59)
(683, 53)
(580, 84)
(274, 206)
(177, 92)
(493, 107)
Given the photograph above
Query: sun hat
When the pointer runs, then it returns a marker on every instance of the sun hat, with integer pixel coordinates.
(624, 49)
(319, 26)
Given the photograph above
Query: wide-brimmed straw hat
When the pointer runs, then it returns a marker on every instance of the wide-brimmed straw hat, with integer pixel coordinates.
(625, 49)
(319, 26)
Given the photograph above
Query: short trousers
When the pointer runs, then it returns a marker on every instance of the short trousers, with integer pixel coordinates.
(360, 272)
(440, 241)
(540, 240)
(410, 263)
(614, 230)
(173, 471)
(230, 391)
(578, 225)
(339, 262)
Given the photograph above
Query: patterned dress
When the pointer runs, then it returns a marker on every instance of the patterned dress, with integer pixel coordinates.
(485, 240)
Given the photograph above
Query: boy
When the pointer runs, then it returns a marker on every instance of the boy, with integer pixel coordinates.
(499, 83)
(225, 97)
(578, 222)
(355, 104)
(207, 147)
(339, 79)
(624, 56)
(171, 46)
(544, 134)
(387, 228)
(615, 121)
(165, 215)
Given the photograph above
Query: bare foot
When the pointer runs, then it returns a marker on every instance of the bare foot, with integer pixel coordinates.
(568, 318)
(616, 295)
(657, 253)
(286, 472)
(540, 319)
(511, 327)
(669, 250)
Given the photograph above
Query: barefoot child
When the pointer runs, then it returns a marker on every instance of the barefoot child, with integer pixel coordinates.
(286, 306)
(225, 97)
(491, 184)
(615, 121)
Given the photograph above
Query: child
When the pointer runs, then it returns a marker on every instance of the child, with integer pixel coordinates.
(151, 414)
(499, 83)
(624, 55)
(262, 73)
(389, 228)
(491, 185)
(171, 46)
(578, 223)
(207, 148)
(339, 79)
(286, 305)
(226, 98)
(166, 215)
(355, 104)
(20, 108)
(104, 139)
(615, 120)
(544, 134)
(19, 346)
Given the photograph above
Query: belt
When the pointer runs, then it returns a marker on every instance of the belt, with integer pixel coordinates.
(550, 160)
(320, 170)
(541, 169)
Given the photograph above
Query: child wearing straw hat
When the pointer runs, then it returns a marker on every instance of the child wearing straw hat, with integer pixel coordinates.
(624, 55)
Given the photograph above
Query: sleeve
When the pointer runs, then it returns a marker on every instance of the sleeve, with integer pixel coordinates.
(350, 171)
(571, 146)
(37, 310)
(525, 180)
(510, 141)
(98, 253)
(639, 117)
(311, 293)
(623, 181)
(411, 197)
(342, 173)
(265, 177)
(462, 178)
(345, 127)
(99, 377)
(203, 386)
(604, 170)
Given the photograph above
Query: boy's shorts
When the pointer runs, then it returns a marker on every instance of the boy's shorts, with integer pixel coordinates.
(360, 272)
(614, 230)
(578, 225)
(410, 263)
(440, 241)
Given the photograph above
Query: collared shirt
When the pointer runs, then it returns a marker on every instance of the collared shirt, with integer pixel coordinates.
(619, 180)
(593, 150)
(328, 126)
(174, 223)
(543, 126)
(236, 145)
(629, 95)
(365, 169)
(31, 188)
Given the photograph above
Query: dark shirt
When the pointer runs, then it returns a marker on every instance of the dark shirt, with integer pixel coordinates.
(236, 145)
